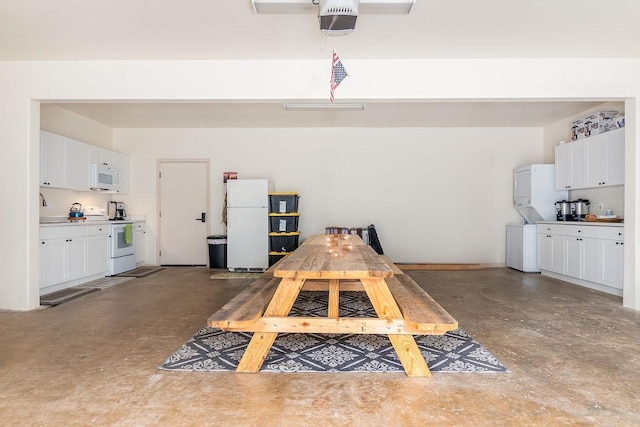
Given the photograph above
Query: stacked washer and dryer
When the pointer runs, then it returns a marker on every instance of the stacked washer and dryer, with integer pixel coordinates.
(534, 197)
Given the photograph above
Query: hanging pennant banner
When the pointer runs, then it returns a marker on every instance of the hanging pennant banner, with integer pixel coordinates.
(338, 73)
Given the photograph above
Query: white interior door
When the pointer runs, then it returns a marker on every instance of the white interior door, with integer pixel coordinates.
(184, 189)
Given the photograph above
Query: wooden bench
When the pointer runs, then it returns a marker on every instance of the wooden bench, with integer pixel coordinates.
(394, 268)
(246, 307)
(420, 312)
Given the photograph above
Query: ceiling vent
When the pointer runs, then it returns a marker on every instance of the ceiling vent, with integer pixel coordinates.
(382, 7)
(338, 17)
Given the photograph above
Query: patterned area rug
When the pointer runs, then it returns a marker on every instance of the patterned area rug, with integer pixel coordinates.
(215, 350)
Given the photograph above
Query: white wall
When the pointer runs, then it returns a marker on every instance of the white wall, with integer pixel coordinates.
(436, 195)
(67, 123)
(24, 84)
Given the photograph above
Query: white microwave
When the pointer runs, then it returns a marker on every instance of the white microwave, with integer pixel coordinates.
(104, 178)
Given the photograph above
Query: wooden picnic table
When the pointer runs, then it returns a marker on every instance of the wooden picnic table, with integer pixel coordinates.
(333, 263)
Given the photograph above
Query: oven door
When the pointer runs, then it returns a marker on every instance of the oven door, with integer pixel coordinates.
(122, 242)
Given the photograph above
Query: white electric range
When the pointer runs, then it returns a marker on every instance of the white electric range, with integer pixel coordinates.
(122, 247)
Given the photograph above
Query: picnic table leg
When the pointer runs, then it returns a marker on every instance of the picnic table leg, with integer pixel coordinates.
(404, 345)
(261, 342)
(334, 298)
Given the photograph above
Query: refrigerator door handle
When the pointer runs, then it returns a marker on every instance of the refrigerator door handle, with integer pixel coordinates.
(203, 217)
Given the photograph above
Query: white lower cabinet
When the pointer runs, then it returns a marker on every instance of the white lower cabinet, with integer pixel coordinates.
(545, 251)
(97, 250)
(53, 262)
(140, 231)
(573, 256)
(589, 255)
(551, 249)
(613, 263)
(73, 254)
(592, 267)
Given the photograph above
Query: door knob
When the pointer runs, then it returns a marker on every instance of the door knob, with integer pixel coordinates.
(203, 217)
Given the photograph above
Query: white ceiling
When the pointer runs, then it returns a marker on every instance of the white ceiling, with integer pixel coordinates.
(230, 29)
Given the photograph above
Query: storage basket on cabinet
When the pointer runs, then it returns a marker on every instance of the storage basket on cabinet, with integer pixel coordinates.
(283, 223)
(284, 242)
(283, 202)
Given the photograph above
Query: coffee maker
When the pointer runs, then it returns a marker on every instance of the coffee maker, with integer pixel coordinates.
(564, 210)
(117, 211)
(580, 209)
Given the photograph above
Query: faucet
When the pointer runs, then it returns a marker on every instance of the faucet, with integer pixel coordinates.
(44, 201)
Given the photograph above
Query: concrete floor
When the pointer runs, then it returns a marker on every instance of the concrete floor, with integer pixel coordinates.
(573, 355)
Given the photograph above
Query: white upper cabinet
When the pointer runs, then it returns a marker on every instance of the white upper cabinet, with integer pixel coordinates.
(596, 161)
(77, 170)
(66, 163)
(63, 162)
(615, 157)
(605, 159)
(101, 156)
(563, 167)
(570, 165)
(53, 160)
(115, 161)
(121, 164)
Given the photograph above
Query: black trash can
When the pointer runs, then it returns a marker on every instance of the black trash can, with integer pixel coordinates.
(217, 251)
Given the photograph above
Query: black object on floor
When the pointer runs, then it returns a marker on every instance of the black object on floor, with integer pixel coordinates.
(140, 272)
(374, 242)
(65, 295)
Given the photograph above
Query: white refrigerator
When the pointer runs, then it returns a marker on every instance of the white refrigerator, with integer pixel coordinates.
(247, 224)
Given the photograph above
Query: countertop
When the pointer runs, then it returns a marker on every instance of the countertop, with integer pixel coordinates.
(66, 223)
(587, 223)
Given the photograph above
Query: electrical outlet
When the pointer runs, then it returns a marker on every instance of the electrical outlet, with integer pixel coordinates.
(599, 206)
